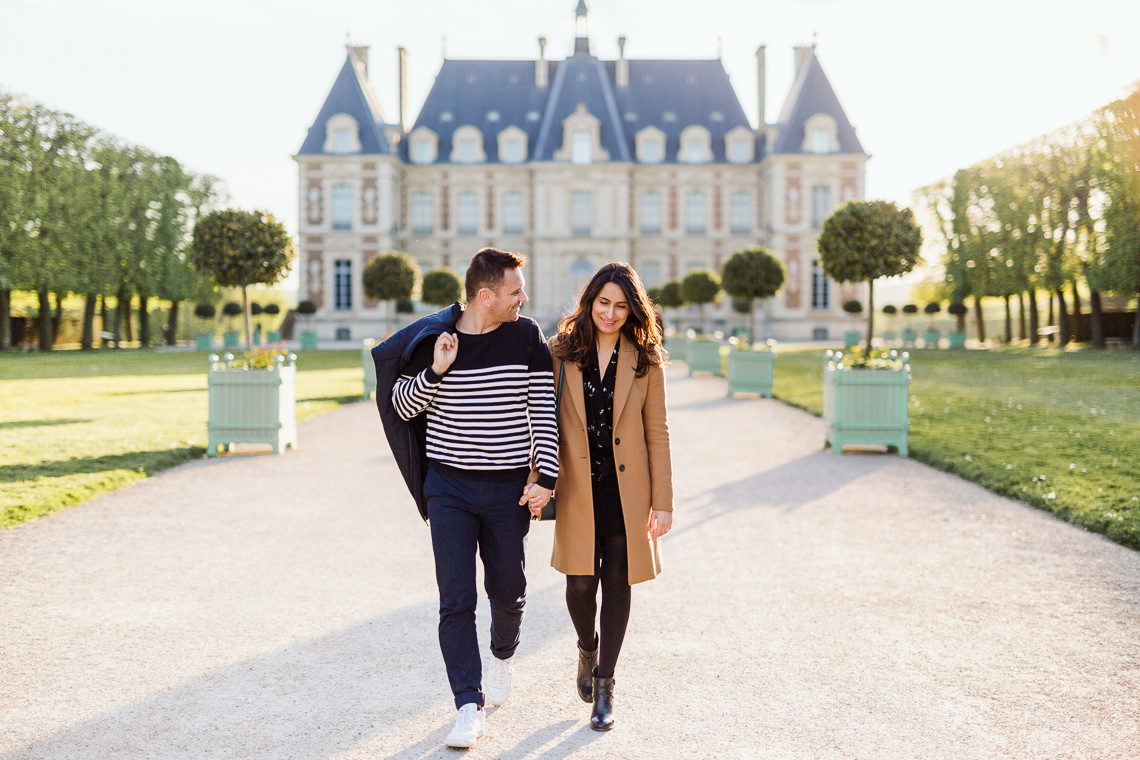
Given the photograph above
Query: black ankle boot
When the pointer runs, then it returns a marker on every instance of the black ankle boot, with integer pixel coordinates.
(586, 662)
(602, 717)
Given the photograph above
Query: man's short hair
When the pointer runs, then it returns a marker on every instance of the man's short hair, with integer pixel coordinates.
(487, 267)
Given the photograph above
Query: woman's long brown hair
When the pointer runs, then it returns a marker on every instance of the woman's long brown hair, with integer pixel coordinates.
(576, 331)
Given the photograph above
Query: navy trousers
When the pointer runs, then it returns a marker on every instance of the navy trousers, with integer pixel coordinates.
(469, 516)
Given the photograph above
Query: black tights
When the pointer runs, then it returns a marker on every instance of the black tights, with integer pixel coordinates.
(611, 570)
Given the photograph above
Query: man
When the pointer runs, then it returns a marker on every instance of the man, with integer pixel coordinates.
(486, 392)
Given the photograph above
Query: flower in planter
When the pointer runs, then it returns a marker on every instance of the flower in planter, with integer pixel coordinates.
(859, 358)
(258, 358)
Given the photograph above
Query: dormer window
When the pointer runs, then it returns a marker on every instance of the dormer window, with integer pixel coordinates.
(467, 146)
(341, 141)
(581, 141)
(512, 145)
(342, 135)
(739, 145)
(820, 141)
(650, 144)
(696, 147)
(580, 148)
(423, 146)
(820, 135)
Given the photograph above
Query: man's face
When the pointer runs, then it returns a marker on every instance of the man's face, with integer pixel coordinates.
(508, 298)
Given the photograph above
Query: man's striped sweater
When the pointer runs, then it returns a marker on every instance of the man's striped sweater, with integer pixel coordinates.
(492, 409)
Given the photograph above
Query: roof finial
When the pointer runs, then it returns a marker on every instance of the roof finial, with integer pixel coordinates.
(581, 35)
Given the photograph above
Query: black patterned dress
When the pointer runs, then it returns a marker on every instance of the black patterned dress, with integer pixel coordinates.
(598, 390)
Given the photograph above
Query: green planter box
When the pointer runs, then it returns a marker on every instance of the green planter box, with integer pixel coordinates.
(930, 338)
(231, 339)
(703, 356)
(369, 368)
(675, 344)
(910, 337)
(957, 339)
(273, 336)
(865, 406)
(750, 372)
(889, 336)
(851, 338)
(252, 405)
(204, 342)
(308, 340)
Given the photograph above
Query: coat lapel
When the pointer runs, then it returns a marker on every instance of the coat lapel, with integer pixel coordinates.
(572, 390)
(627, 364)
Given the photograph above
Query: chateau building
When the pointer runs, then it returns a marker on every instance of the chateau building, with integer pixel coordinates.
(576, 162)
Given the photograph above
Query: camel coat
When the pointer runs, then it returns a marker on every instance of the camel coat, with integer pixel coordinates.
(641, 456)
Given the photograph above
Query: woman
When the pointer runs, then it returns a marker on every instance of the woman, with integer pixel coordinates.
(615, 489)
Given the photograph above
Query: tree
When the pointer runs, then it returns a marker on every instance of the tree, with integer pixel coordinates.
(390, 277)
(700, 287)
(751, 274)
(241, 248)
(668, 296)
(958, 310)
(865, 240)
(441, 287)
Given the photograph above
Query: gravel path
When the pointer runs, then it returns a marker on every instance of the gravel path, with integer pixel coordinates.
(812, 606)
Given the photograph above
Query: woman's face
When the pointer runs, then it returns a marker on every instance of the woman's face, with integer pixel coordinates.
(611, 309)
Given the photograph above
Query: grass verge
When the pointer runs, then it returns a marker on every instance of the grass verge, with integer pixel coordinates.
(1057, 430)
(77, 424)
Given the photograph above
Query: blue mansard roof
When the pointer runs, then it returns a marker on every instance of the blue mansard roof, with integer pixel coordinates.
(812, 93)
(353, 95)
(669, 95)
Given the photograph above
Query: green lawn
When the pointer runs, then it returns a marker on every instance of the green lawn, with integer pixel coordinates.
(76, 424)
(1058, 430)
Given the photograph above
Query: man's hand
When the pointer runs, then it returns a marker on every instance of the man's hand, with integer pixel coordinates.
(446, 349)
(535, 497)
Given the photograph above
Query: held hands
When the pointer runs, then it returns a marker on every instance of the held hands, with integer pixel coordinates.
(660, 522)
(535, 497)
(446, 349)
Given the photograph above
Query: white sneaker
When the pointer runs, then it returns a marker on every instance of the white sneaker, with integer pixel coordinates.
(468, 726)
(497, 681)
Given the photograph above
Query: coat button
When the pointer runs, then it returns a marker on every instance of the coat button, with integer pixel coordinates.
(617, 442)
(621, 468)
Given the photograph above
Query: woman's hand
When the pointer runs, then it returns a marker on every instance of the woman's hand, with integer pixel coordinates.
(535, 497)
(660, 521)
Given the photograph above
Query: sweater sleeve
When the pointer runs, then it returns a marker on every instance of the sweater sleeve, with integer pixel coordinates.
(540, 404)
(416, 387)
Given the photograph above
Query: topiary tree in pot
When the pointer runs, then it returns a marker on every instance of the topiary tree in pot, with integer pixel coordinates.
(441, 287)
(390, 277)
(668, 296)
(241, 248)
(751, 274)
(959, 311)
(700, 287)
(866, 240)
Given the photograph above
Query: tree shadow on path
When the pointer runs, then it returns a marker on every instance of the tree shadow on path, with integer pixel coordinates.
(787, 487)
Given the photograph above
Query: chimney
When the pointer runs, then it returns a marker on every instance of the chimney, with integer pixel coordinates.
(621, 70)
(360, 53)
(760, 84)
(541, 67)
(804, 54)
(402, 68)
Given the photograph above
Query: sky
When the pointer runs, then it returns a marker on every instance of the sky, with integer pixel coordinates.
(230, 87)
